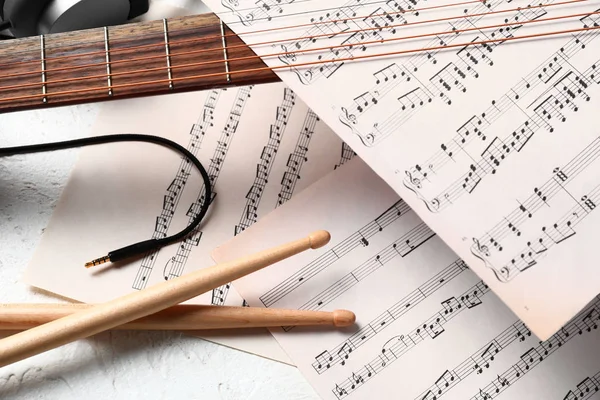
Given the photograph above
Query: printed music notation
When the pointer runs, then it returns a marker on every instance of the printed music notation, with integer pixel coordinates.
(327, 359)
(585, 322)
(347, 155)
(228, 131)
(445, 332)
(175, 189)
(344, 28)
(555, 193)
(263, 170)
(401, 247)
(267, 158)
(297, 158)
(261, 10)
(479, 362)
(459, 107)
(585, 389)
(177, 264)
(418, 92)
(355, 240)
(399, 345)
(567, 87)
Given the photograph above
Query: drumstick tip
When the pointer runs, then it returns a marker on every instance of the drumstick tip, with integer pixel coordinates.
(319, 239)
(342, 318)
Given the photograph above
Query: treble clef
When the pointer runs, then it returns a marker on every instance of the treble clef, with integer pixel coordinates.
(482, 251)
(479, 248)
(287, 55)
(347, 118)
(289, 58)
(413, 180)
(414, 184)
(231, 5)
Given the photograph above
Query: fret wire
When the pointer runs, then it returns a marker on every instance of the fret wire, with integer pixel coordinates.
(170, 75)
(110, 90)
(225, 50)
(346, 32)
(192, 30)
(228, 73)
(305, 64)
(43, 60)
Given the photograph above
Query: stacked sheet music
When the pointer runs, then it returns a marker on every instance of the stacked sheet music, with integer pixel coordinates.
(463, 235)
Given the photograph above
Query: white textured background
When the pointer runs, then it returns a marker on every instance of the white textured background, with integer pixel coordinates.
(115, 365)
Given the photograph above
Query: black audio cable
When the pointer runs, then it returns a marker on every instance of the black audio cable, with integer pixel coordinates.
(146, 245)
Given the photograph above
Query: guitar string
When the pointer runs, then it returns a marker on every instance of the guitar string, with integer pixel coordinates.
(220, 49)
(264, 69)
(161, 44)
(353, 18)
(264, 56)
(336, 8)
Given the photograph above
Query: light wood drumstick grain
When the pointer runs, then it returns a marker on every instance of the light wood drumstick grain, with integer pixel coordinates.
(17, 317)
(148, 301)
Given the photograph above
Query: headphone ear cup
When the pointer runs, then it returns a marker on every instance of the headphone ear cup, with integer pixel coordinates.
(24, 15)
(138, 7)
(75, 15)
(35, 17)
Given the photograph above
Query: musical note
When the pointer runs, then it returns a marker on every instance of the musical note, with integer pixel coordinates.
(175, 189)
(383, 321)
(338, 251)
(489, 354)
(448, 78)
(474, 54)
(339, 391)
(503, 382)
(590, 320)
(494, 153)
(484, 395)
(475, 150)
(473, 127)
(357, 380)
(344, 352)
(472, 179)
(323, 360)
(451, 305)
(471, 299)
(444, 382)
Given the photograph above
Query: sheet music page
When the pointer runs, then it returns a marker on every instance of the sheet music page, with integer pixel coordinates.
(427, 327)
(490, 139)
(259, 144)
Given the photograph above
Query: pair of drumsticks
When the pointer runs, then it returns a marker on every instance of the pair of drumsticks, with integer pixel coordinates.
(157, 308)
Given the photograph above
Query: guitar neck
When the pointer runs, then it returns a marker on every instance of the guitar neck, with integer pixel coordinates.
(133, 60)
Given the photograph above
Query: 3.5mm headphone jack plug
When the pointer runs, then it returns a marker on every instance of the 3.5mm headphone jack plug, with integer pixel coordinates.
(127, 252)
(97, 261)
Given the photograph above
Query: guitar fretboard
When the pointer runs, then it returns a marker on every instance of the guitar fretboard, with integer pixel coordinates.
(141, 59)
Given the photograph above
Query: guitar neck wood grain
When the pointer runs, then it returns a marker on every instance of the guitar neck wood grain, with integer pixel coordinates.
(134, 60)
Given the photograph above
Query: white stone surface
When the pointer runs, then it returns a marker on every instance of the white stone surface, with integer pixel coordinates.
(113, 365)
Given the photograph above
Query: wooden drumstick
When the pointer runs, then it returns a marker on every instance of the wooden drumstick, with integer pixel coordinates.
(17, 317)
(148, 301)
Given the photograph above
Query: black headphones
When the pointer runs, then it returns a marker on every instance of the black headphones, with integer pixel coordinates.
(37, 17)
